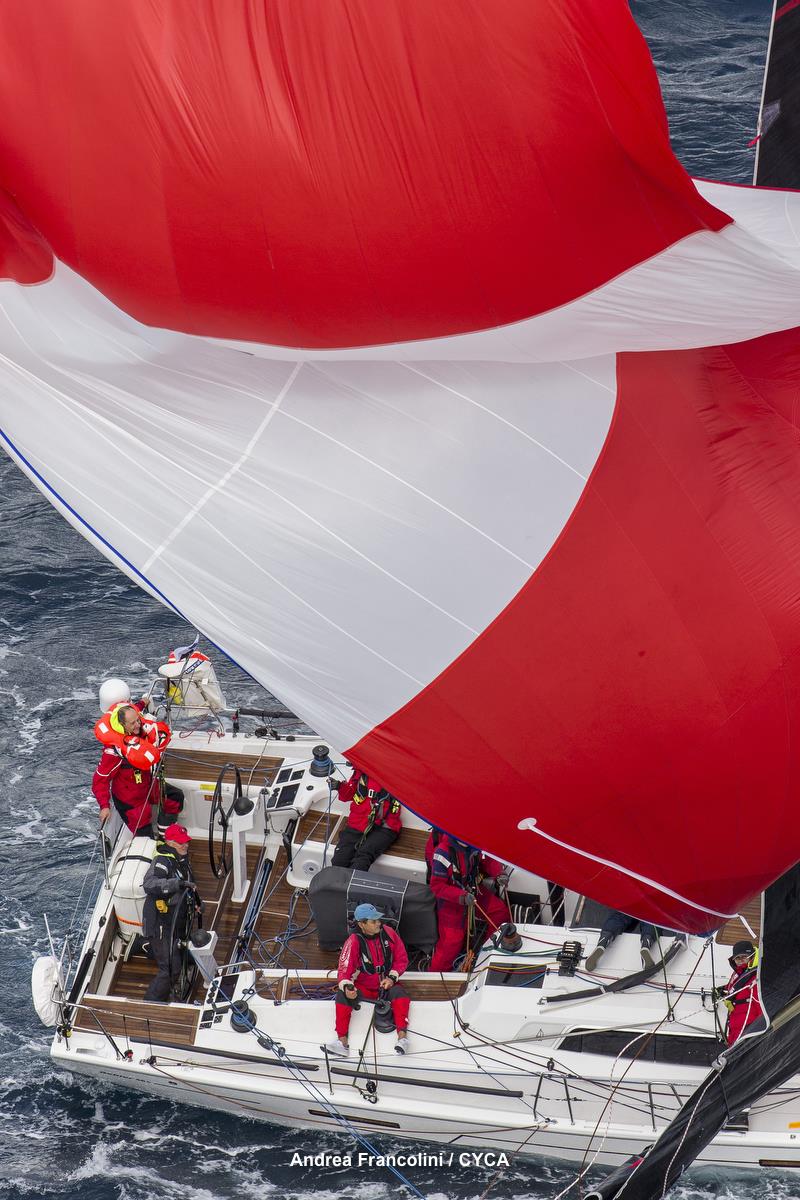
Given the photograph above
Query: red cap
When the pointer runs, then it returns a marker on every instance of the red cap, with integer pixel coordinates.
(177, 833)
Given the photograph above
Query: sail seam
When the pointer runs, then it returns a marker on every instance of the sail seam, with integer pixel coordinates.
(232, 470)
(503, 420)
(413, 488)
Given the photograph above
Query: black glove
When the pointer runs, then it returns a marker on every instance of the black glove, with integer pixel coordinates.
(467, 899)
(718, 993)
(187, 884)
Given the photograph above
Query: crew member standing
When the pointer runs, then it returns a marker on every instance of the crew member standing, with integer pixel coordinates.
(372, 960)
(464, 881)
(134, 790)
(166, 884)
(373, 822)
(740, 993)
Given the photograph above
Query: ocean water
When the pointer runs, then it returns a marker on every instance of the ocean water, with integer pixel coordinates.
(66, 618)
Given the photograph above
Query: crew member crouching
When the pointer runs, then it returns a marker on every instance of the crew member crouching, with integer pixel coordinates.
(372, 960)
(468, 885)
(168, 880)
(133, 787)
(373, 822)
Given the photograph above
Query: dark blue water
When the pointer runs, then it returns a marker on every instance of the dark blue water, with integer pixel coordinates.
(66, 618)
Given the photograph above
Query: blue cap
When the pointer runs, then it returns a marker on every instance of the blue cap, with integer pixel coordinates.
(367, 912)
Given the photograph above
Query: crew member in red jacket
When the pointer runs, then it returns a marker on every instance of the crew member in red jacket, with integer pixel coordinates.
(373, 822)
(740, 993)
(133, 792)
(372, 960)
(464, 879)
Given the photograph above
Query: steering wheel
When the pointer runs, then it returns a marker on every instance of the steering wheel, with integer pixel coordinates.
(189, 912)
(220, 817)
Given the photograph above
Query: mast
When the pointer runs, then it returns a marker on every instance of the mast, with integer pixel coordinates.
(777, 161)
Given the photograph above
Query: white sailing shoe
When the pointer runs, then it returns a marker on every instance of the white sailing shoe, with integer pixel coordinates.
(594, 958)
(338, 1048)
(401, 1045)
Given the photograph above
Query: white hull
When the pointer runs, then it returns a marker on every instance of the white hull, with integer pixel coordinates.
(460, 1127)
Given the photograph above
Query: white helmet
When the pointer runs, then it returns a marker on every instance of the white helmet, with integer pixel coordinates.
(113, 691)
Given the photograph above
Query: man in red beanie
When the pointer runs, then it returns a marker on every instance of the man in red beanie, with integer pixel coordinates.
(167, 884)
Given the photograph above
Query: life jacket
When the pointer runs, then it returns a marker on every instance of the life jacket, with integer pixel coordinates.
(368, 964)
(434, 837)
(382, 805)
(173, 687)
(470, 876)
(141, 751)
(182, 869)
(739, 985)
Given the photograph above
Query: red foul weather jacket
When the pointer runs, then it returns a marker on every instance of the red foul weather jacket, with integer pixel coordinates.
(371, 806)
(351, 964)
(133, 789)
(741, 998)
(453, 869)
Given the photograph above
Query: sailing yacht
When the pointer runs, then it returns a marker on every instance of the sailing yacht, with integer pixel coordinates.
(484, 459)
(522, 1052)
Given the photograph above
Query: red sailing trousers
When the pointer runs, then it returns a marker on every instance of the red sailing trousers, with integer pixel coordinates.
(452, 919)
(369, 990)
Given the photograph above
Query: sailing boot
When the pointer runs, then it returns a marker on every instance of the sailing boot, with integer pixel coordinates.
(645, 951)
(597, 954)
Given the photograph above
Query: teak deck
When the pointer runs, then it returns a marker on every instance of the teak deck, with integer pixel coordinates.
(735, 931)
(184, 764)
(137, 1019)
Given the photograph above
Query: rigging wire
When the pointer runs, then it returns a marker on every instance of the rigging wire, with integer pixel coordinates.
(584, 1166)
(266, 1042)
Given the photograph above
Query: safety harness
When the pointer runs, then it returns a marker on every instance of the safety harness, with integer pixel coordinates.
(468, 879)
(741, 983)
(368, 965)
(381, 803)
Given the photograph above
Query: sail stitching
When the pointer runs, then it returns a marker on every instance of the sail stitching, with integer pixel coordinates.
(503, 420)
(221, 483)
(418, 491)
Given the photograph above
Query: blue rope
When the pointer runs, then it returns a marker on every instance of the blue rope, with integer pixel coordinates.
(266, 1042)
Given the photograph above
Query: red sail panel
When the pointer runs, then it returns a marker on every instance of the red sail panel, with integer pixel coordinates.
(24, 255)
(326, 173)
(636, 708)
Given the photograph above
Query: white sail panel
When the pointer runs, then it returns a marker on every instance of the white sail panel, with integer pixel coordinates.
(342, 529)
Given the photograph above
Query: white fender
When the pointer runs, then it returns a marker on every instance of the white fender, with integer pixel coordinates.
(47, 987)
